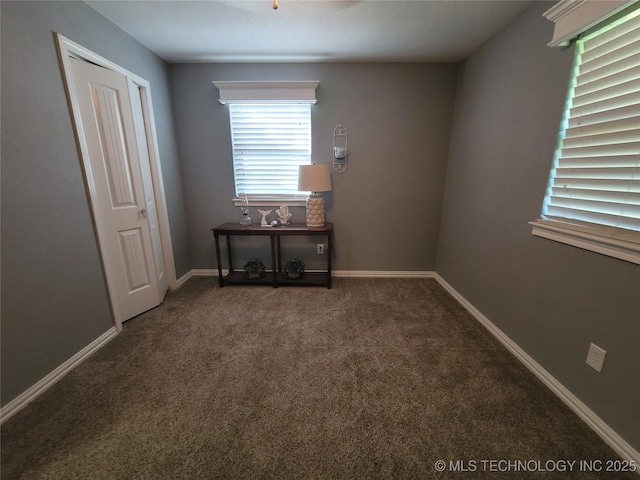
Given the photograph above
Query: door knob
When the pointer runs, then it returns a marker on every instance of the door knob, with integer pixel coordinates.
(143, 212)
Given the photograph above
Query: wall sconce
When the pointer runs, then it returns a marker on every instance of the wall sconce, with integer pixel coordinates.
(340, 150)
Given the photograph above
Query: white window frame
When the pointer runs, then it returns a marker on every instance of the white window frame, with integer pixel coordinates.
(619, 243)
(268, 93)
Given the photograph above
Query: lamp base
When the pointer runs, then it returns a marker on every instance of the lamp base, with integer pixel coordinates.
(315, 210)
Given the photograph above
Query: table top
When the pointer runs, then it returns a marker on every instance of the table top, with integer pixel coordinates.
(256, 229)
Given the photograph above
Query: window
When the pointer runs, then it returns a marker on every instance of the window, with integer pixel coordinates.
(270, 124)
(270, 142)
(593, 197)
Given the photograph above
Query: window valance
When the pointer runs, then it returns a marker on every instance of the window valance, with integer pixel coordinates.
(572, 17)
(267, 92)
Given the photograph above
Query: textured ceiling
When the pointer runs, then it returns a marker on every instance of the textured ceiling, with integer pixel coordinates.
(310, 31)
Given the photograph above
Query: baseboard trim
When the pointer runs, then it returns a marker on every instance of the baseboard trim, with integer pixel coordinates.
(206, 272)
(210, 272)
(183, 279)
(615, 441)
(26, 397)
(383, 274)
(199, 272)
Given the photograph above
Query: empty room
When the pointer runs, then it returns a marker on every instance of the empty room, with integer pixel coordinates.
(320, 239)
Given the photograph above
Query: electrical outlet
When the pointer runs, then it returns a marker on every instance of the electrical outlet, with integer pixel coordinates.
(320, 248)
(595, 357)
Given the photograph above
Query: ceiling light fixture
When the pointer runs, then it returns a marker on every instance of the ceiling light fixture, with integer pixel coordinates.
(275, 4)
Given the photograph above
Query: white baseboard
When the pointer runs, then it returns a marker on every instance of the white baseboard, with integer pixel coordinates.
(383, 274)
(209, 272)
(183, 279)
(26, 397)
(615, 441)
(199, 272)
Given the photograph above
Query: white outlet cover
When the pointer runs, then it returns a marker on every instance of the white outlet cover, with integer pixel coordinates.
(595, 357)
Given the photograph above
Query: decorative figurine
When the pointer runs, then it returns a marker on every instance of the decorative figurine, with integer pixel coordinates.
(283, 215)
(264, 214)
(245, 219)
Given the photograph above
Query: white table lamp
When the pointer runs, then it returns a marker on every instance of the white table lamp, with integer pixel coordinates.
(314, 178)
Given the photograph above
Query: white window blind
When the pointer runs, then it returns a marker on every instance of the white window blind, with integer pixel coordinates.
(270, 142)
(596, 173)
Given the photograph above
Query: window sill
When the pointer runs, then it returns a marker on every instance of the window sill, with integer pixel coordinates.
(272, 202)
(606, 241)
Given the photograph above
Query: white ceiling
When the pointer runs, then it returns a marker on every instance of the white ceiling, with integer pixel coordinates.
(311, 31)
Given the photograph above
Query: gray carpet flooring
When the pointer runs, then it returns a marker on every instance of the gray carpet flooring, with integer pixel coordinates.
(374, 379)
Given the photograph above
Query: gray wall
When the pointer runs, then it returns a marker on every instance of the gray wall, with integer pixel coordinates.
(385, 207)
(551, 299)
(54, 299)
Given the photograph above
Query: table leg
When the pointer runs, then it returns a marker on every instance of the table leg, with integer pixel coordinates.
(273, 259)
(278, 256)
(329, 252)
(229, 253)
(220, 279)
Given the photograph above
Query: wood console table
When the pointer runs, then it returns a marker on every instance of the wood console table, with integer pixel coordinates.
(276, 276)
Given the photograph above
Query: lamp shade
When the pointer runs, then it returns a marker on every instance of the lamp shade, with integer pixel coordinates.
(314, 178)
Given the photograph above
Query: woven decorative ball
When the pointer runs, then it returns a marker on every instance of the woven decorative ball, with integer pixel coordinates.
(294, 269)
(254, 269)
